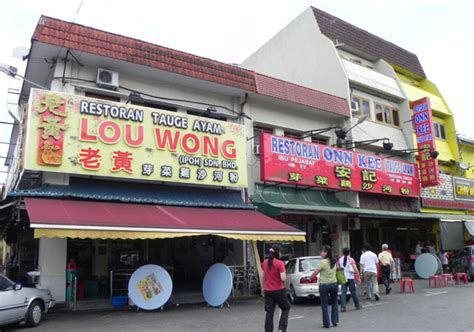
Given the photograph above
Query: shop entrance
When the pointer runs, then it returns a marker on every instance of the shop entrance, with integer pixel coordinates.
(103, 267)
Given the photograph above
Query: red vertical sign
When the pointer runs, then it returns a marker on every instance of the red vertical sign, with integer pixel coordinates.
(426, 142)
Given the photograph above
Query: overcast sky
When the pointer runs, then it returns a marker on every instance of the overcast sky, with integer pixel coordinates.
(441, 33)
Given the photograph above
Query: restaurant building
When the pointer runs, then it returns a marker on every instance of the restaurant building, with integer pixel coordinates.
(326, 53)
(136, 154)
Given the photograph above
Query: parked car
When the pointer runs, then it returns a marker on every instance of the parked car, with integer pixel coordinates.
(464, 261)
(18, 304)
(298, 279)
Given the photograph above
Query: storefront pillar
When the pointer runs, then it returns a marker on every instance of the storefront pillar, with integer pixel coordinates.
(52, 266)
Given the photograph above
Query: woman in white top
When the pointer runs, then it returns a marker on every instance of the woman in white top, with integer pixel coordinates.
(348, 265)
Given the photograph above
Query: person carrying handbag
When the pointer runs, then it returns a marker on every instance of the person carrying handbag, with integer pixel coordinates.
(349, 267)
(327, 286)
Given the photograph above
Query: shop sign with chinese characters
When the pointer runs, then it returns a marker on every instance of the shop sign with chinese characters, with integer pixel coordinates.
(292, 161)
(426, 142)
(79, 135)
(463, 189)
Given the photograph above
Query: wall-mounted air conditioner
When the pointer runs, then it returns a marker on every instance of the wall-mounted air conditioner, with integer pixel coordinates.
(107, 79)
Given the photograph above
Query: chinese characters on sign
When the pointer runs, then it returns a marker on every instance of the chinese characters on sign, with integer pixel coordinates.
(80, 135)
(426, 142)
(288, 160)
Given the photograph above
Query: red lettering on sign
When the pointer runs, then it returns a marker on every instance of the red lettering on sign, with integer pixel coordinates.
(84, 132)
(211, 147)
(190, 149)
(134, 142)
(228, 149)
(166, 141)
(111, 136)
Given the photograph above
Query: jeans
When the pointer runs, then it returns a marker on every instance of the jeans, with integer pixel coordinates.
(328, 295)
(273, 298)
(386, 276)
(371, 284)
(352, 289)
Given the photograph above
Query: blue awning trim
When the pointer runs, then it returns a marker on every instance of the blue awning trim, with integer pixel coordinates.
(139, 193)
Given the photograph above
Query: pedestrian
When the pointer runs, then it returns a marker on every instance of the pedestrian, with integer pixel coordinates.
(444, 258)
(386, 261)
(418, 248)
(368, 268)
(328, 286)
(431, 249)
(274, 276)
(348, 265)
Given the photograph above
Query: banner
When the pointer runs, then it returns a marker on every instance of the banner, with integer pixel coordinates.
(426, 142)
(79, 135)
(287, 160)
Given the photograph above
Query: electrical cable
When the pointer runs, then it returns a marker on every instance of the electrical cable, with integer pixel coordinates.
(158, 97)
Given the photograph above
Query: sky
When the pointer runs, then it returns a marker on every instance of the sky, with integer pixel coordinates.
(441, 33)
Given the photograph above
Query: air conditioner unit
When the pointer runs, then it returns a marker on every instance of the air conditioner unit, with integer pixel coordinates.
(353, 223)
(107, 79)
(256, 149)
(354, 107)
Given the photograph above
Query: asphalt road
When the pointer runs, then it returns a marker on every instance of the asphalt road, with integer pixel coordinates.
(436, 309)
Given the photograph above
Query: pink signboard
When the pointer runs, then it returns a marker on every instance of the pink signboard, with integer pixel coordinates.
(426, 142)
(291, 161)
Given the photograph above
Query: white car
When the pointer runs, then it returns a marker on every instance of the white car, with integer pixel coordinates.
(298, 279)
(18, 304)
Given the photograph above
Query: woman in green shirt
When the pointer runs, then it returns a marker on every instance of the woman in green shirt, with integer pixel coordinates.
(327, 286)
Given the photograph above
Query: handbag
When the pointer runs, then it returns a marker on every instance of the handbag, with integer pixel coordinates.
(341, 278)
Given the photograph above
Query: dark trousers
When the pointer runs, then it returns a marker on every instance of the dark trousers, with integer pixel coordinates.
(273, 298)
(328, 295)
(386, 276)
(352, 288)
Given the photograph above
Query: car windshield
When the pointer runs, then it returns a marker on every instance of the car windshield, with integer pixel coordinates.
(5, 283)
(307, 264)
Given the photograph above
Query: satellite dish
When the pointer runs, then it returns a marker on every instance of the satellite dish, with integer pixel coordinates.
(217, 284)
(150, 287)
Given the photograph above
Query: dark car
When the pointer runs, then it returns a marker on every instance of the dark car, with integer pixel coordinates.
(464, 261)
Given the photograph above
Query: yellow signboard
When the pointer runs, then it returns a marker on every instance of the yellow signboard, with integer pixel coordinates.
(79, 135)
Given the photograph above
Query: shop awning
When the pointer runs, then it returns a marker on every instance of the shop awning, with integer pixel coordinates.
(470, 227)
(278, 199)
(110, 220)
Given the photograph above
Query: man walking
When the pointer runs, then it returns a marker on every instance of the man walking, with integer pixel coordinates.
(368, 268)
(386, 260)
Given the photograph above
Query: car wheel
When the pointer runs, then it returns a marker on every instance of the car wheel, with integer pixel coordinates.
(293, 298)
(35, 314)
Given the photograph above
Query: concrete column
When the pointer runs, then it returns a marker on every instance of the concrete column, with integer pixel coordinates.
(52, 266)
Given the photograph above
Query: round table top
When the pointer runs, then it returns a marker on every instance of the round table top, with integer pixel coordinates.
(217, 284)
(150, 287)
(426, 265)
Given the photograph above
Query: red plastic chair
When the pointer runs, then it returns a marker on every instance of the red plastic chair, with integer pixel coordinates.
(437, 279)
(407, 282)
(461, 276)
(447, 277)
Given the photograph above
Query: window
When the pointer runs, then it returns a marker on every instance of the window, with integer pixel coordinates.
(378, 113)
(440, 132)
(365, 107)
(101, 96)
(292, 134)
(319, 140)
(207, 115)
(396, 119)
(387, 115)
(257, 131)
(290, 266)
(5, 284)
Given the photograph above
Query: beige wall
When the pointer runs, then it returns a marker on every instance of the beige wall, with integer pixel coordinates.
(301, 54)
